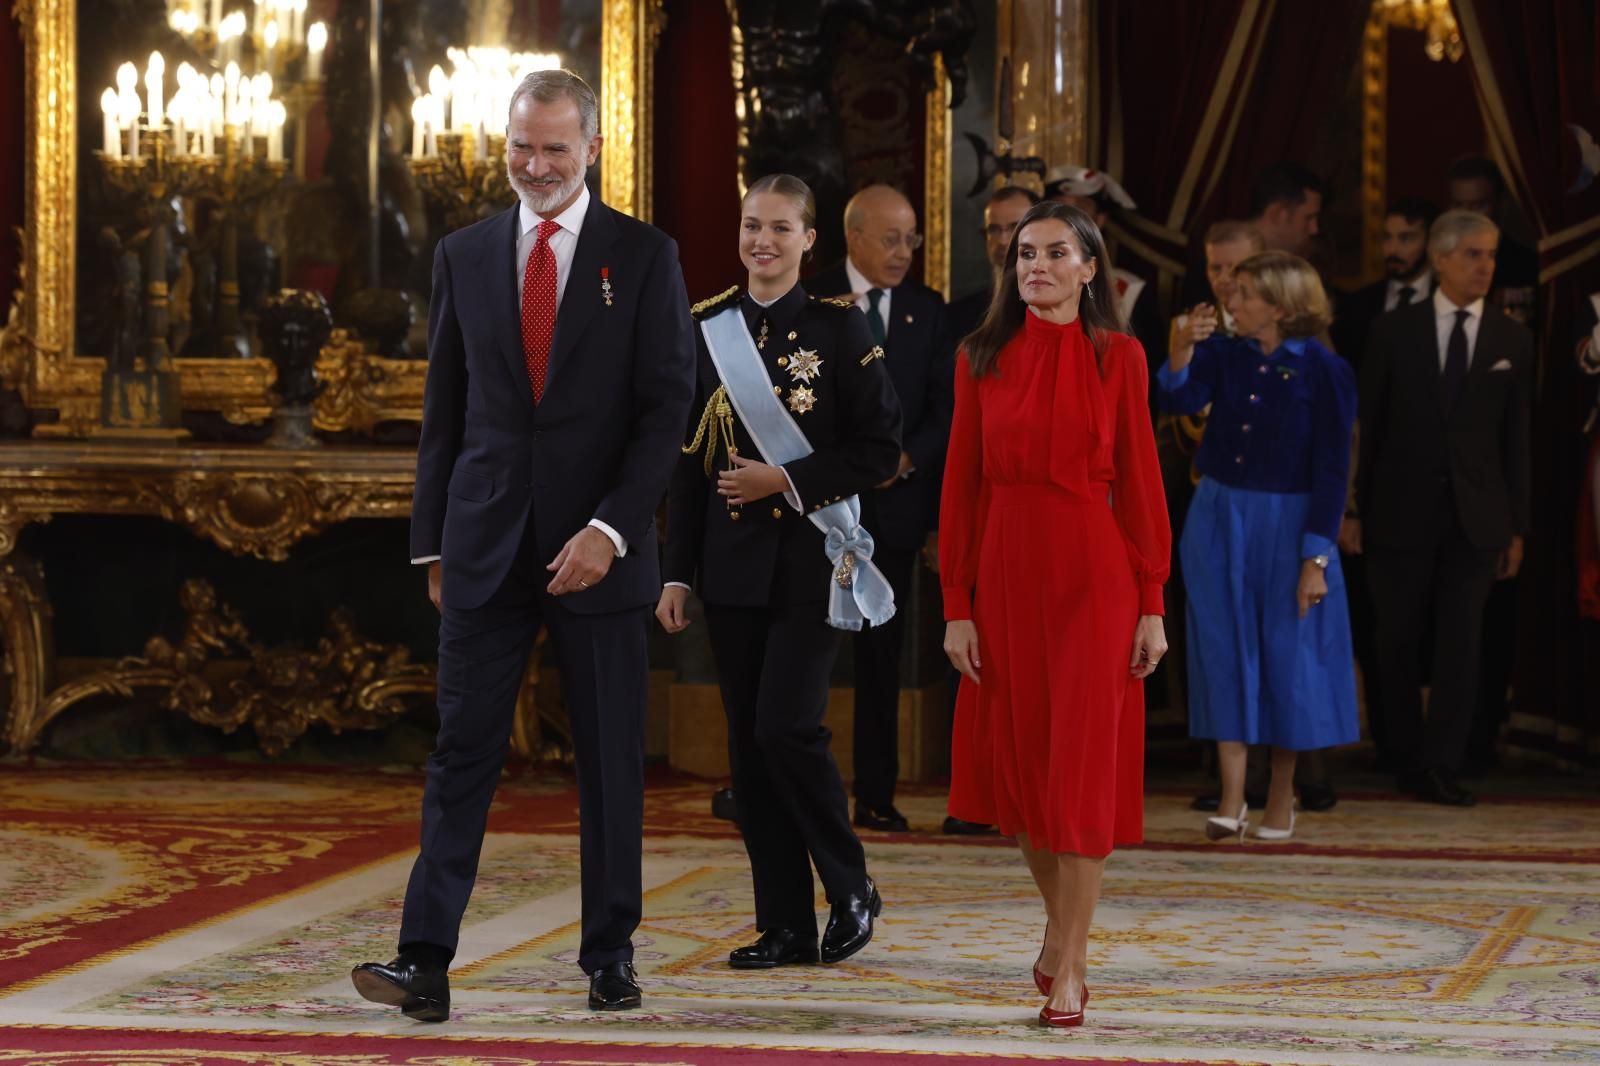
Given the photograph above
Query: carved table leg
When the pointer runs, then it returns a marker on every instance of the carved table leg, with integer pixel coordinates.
(28, 645)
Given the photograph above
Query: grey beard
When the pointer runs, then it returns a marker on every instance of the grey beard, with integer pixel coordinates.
(542, 201)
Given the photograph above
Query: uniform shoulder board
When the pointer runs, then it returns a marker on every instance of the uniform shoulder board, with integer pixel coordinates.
(716, 303)
(833, 301)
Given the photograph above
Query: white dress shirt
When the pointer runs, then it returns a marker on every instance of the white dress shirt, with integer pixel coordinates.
(564, 243)
(859, 283)
(1419, 286)
(1444, 311)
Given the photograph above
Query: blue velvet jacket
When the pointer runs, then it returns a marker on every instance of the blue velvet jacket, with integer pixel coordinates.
(1279, 423)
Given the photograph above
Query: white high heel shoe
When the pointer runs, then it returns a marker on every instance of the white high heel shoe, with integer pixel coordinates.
(1218, 828)
(1266, 832)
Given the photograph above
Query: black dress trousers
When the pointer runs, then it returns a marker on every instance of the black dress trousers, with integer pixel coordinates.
(773, 665)
(877, 689)
(483, 653)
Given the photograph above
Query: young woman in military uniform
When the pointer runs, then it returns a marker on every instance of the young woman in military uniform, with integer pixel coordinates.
(762, 521)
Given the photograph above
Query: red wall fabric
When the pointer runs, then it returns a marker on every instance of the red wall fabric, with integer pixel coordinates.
(13, 122)
(695, 143)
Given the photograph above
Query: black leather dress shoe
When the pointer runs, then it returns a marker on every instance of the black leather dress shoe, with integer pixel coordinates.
(850, 925)
(614, 986)
(1438, 786)
(1318, 798)
(776, 947)
(725, 805)
(960, 827)
(883, 819)
(420, 989)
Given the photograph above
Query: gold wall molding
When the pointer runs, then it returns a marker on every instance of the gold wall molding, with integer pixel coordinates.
(630, 30)
(38, 351)
(936, 184)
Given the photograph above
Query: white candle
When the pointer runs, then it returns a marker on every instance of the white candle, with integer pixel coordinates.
(216, 15)
(419, 119)
(111, 134)
(439, 88)
(297, 22)
(430, 144)
(483, 142)
(269, 37)
(316, 41)
(230, 96)
(152, 87)
(180, 147)
(275, 138)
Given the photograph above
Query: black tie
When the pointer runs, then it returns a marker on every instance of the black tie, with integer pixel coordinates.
(1455, 362)
(874, 316)
(1407, 294)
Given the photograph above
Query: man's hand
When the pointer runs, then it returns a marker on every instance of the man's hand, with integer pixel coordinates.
(900, 472)
(582, 562)
(1350, 536)
(670, 612)
(1510, 560)
(750, 481)
(435, 583)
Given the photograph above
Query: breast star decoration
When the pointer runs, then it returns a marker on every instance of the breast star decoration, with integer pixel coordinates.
(801, 399)
(804, 365)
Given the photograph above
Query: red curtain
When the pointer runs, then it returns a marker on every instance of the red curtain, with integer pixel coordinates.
(1534, 67)
(1196, 109)
(696, 140)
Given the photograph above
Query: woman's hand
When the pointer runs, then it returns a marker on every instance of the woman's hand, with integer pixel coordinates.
(669, 611)
(961, 645)
(750, 481)
(1194, 327)
(1149, 646)
(1313, 586)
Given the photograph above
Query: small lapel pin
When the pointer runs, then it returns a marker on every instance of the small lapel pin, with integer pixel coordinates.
(908, 319)
(605, 284)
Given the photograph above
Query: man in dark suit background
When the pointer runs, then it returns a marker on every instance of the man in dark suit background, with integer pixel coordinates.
(908, 319)
(1408, 279)
(561, 368)
(1442, 492)
(1001, 213)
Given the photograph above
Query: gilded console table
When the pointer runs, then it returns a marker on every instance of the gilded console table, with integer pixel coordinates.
(249, 500)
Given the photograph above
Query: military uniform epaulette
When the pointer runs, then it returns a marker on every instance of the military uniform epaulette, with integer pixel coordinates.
(833, 301)
(706, 308)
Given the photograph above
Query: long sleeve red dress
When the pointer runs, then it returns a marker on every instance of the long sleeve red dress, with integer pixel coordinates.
(1054, 540)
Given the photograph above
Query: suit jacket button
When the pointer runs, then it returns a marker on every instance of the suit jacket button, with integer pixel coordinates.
(777, 512)
(777, 390)
(733, 515)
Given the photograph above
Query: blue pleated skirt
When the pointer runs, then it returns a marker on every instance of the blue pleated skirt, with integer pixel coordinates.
(1258, 672)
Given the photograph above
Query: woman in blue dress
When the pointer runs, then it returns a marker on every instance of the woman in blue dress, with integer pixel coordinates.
(1271, 660)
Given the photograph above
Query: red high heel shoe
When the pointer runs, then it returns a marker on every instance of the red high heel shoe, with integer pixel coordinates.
(1064, 1019)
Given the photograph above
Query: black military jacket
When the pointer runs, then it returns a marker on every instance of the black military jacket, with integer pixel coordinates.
(822, 361)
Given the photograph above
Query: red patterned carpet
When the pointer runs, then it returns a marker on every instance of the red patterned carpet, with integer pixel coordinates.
(179, 914)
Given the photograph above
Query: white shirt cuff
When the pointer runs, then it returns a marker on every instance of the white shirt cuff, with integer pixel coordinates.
(675, 585)
(793, 496)
(612, 535)
(421, 559)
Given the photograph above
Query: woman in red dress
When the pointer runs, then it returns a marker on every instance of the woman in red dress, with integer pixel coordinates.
(1054, 546)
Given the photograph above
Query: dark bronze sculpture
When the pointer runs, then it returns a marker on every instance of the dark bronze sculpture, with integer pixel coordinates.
(294, 326)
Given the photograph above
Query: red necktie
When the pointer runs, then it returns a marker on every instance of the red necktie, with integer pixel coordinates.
(539, 307)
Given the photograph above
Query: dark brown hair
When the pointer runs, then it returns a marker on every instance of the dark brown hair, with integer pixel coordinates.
(1097, 308)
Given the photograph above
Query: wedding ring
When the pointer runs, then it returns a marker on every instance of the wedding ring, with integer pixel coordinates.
(582, 582)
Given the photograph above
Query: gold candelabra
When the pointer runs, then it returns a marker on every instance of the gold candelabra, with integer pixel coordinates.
(463, 182)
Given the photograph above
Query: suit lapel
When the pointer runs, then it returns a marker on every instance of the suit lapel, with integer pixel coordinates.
(582, 297)
(1483, 353)
(501, 286)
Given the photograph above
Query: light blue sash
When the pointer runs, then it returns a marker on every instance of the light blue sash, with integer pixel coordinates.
(858, 591)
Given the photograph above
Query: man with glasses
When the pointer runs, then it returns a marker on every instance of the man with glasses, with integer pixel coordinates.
(1002, 212)
(908, 319)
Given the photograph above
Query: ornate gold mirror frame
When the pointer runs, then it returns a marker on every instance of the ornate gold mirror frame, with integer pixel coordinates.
(38, 352)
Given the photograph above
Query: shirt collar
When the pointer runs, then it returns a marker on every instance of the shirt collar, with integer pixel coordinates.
(1444, 307)
(1293, 345)
(858, 280)
(570, 220)
(1422, 283)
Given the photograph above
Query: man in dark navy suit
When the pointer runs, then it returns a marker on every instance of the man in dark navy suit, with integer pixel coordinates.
(561, 367)
(908, 319)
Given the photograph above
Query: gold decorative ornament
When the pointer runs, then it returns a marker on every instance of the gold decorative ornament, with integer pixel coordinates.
(801, 399)
(38, 352)
(875, 352)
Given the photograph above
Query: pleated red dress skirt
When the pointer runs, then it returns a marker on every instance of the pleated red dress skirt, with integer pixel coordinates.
(1065, 539)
